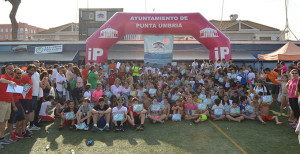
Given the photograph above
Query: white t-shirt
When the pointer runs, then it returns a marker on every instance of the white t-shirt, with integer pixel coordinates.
(44, 107)
(87, 95)
(36, 84)
(195, 64)
(115, 90)
(54, 74)
(257, 90)
(126, 91)
(69, 74)
(147, 68)
(115, 109)
(60, 78)
(251, 76)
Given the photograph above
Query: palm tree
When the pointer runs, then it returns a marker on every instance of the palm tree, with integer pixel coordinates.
(14, 24)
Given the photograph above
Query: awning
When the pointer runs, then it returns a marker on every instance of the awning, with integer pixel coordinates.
(178, 55)
(29, 56)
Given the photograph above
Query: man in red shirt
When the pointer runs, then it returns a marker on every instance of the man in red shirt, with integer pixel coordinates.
(85, 73)
(5, 102)
(21, 116)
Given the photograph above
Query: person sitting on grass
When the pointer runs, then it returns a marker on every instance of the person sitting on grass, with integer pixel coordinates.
(256, 104)
(61, 105)
(101, 113)
(190, 109)
(235, 112)
(178, 107)
(68, 115)
(119, 110)
(265, 112)
(248, 110)
(166, 108)
(155, 112)
(84, 113)
(217, 111)
(45, 108)
(136, 118)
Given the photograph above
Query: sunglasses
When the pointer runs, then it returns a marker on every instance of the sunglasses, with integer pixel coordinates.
(294, 73)
(121, 100)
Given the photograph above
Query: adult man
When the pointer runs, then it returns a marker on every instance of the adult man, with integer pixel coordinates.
(35, 93)
(69, 77)
(92, 78)
(272, 75)
(85, 73)
(135, 73)
(101, 112)
(5, 102)
(60, 82)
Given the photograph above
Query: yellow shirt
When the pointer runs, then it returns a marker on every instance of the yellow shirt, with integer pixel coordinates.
(135, 71)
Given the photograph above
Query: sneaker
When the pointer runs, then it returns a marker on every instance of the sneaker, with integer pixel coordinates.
(121, 128)
(27, 135)
(34, 127)
(5, 141)
(29, 132)
(106, 128)
(94, 128)
(13, 138)
(19, 135)
(141, 127)
(86, 128)
(136, 127)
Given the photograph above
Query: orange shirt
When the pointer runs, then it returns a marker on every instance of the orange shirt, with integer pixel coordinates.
(113, 66)
(24, 68)
(272, 76)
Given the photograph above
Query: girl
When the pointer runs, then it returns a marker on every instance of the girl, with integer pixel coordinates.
(87, 94)
(235, 112)
(126, 90)
(68, 115)
(190, 109)
(284, 95)
(166, 108)
(107, 91)
(133, 91)
(155, 112)
(61, 105)
(217, 112)
(293, 85)
(45, 108)
(178, 107)
(97, 94)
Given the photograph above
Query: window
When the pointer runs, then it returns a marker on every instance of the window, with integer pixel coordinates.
(21, 30)
(10, 30)
(6, 29)
(21, 37)
(6, 36)
(1, 29)
(26, 37)
(10, 37)
(26, 30)
(31, 31)
(1, 36)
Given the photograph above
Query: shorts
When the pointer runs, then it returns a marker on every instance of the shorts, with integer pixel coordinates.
(137, 120)
(203, 117)
(27, 105)
(47, 117)
(267, 118)
(68, 122)
(12, 116)
(101, 122)
(34, 103)
(248, 114)
(5, 110)
(218, 116)
(20, 115)
(156, 117)
(285, 95)
(275, 89)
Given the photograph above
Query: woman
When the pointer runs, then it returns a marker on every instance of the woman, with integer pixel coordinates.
(77, 91)
(260, 88)
(45, 84)
(116, 88)
(293, 86)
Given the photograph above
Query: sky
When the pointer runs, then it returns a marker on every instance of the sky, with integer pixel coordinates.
(52, 13)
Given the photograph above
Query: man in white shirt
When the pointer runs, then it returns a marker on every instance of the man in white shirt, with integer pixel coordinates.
(35, 93)
(148, 67)
(60, 81)
(195, 64)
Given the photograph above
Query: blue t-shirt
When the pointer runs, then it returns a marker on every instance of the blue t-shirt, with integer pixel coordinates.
(243, 107)
(243, 80)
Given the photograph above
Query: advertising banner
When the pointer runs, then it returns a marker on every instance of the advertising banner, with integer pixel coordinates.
(48, 49)
(158, 49)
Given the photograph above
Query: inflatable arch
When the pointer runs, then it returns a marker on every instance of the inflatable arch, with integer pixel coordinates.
(98, 44)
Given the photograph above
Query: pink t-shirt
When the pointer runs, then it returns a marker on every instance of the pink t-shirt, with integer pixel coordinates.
(191, 107)
(292, 88)
(97, 94)
(284, 69)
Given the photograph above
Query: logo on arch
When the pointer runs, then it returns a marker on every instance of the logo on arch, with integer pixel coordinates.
(208, 32)
(108, 33)
(94, 54)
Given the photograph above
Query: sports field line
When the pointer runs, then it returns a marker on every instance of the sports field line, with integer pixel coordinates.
(228, 137)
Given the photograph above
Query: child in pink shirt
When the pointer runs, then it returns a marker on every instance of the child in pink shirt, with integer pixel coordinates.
(97, 94)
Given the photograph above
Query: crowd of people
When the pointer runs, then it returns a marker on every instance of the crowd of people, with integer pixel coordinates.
(102, 97)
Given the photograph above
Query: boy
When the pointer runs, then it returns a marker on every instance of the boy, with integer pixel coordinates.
(136, 118)
(84, 113)
(248, 110)
(265, 109)
(166, 108)
(235, 116)
(120, 109)
(45, 108)
(101, 112)
(178, 107)
(217, 111)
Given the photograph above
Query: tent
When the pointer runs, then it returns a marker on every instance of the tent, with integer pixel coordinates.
(289, 51)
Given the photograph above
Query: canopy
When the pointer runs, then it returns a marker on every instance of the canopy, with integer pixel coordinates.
(289, 51)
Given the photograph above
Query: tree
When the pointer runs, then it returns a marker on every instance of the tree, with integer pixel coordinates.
(14, 24)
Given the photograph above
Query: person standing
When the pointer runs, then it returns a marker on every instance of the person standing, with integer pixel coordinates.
(135, 73)
(35, 77)
(69, 77)
(272, 75)
(78, 87)
(93, 78)
(85, 73)
(294, 88)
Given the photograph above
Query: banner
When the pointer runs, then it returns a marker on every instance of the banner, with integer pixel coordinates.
(48, 49)
(158, 49)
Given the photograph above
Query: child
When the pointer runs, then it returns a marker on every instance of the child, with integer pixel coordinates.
(217, 111)
(84, 113)
(284, 94)
(87, 94)
(155, 115)
(45, 108)
(60, 107)
(120, 109)
(101, 113)
(248, 110)
(178, 107)
(68, 115)
(235, 116)
(97, 94)
(166, 108)
(133, 91)
(136, 118)
(190, 109)
(265, 109)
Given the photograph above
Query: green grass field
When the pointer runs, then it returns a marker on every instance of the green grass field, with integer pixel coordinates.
(172, 137)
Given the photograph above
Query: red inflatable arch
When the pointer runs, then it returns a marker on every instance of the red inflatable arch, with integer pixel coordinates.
(121, 24)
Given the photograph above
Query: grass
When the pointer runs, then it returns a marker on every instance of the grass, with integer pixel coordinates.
(173, 137)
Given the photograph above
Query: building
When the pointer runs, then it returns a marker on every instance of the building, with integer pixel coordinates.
(90, 20)
(67, 32)
(25, 31)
